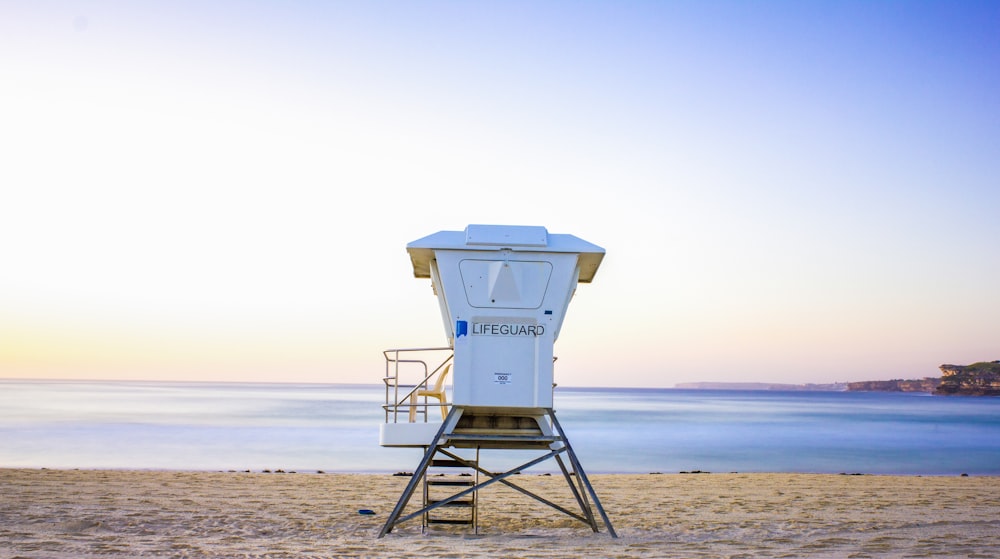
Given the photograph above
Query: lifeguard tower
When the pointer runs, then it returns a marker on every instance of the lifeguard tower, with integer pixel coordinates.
(503, 292)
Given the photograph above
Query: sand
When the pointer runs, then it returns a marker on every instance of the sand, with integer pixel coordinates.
(117, 514)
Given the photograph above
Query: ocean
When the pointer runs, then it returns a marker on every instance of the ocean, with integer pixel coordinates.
(334, 428)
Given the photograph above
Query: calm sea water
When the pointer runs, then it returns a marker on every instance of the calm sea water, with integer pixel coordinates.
(334, 428)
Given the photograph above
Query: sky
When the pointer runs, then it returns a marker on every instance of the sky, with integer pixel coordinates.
(787, 192)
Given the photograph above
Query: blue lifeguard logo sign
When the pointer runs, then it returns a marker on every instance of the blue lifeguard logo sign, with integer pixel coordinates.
(507, 329)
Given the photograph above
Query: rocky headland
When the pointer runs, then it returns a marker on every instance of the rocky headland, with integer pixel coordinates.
(977, 379)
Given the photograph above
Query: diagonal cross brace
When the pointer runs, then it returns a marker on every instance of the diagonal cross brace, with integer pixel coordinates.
(516, 487)
(486, 483)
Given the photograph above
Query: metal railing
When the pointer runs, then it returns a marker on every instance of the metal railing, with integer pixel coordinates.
(406, 372)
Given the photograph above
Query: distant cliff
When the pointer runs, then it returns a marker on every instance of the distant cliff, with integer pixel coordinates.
(928, 385)
(831, 387)
(977, 379)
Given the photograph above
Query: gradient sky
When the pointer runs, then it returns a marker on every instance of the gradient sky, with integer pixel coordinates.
(787, 191)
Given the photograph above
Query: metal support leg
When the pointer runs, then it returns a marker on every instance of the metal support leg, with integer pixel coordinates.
(579, 494)
(581, 475)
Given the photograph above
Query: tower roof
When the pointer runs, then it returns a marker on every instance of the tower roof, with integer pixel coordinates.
(521, 238)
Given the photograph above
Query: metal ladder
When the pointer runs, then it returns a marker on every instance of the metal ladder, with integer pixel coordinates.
(443, 478)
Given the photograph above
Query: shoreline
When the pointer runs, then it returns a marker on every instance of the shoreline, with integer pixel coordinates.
(55, 514)
(407, 473)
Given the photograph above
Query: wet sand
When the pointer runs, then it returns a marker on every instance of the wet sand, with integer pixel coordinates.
(118, 514)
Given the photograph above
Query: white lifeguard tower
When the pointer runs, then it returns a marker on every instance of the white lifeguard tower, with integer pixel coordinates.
(503, 292)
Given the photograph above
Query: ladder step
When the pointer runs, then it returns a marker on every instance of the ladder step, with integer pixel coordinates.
(452, 464)
(454, 521)
(460, 504)
(452, 482)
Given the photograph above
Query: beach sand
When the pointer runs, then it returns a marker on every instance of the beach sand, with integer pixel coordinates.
(116, 514)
